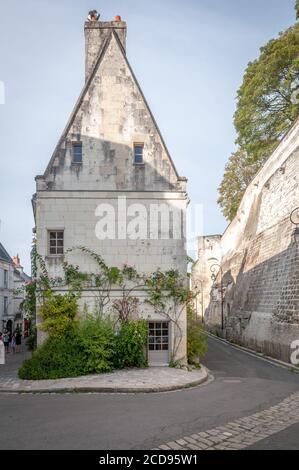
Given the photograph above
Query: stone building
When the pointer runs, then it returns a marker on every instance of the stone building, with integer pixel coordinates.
(209, 255)
(257, 285)
(111, 165)
(6, 290)
(12, 280)
(20, 279)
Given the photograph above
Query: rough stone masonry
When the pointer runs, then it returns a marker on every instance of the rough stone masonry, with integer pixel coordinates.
(259, 255)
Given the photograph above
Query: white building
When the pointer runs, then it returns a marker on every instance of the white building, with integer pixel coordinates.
(112, 159)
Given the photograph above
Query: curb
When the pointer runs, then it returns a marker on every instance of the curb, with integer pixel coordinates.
(99, 389)
(251, 352)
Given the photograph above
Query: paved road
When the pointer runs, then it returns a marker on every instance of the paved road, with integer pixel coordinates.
(285, 440)
(243, 385)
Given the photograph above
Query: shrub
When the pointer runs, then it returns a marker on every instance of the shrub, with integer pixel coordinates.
(54, 359)
(58, 313)
(97, 339)
(130, 345)
(90, 346)
(196, 338)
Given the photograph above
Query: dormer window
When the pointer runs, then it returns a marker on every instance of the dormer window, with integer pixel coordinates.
(77, 152)
(138, 154)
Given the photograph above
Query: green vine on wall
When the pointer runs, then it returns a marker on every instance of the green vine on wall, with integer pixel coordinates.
(167, 292)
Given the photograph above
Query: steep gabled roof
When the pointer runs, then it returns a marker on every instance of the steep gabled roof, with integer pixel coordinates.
(97, 64)
(4, 256)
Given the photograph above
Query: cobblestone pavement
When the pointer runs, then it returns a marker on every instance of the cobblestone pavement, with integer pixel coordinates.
(243, 432)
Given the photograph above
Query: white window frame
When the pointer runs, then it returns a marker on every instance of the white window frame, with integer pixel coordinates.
(52, 230)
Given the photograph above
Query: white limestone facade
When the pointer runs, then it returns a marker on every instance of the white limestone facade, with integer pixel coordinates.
(120, 194)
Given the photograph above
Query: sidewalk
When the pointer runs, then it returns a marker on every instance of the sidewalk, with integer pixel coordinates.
(13, 362)
(153, 379)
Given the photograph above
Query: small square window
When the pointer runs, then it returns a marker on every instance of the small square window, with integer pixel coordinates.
(77, 152)
(56, 242)
(138, 154)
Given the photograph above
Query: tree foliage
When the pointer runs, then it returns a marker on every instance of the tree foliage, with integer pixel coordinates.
(237, 175)
(267, 106)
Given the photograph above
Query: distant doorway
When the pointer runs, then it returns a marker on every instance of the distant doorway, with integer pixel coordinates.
(9, 326)
(158, 343)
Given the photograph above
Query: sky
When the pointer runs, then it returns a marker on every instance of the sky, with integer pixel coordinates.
(189, 57)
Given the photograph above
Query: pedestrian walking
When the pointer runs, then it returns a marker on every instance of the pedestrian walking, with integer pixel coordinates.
(13, 343)
(18, 341)
(6, 341)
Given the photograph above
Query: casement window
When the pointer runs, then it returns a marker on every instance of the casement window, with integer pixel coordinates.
(5, 279)
(5, 305)
(138, 154)
(56, 242)
(77, 152)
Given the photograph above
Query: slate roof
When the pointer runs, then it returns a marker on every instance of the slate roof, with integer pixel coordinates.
(4, 256)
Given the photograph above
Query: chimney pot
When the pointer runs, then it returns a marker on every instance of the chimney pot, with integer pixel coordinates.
(117, 18)
(16, 261)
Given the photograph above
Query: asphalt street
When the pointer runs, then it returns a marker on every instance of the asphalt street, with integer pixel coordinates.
(241, 385)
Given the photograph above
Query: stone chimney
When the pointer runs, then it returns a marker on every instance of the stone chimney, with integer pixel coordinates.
(95, 34)
(16, 261)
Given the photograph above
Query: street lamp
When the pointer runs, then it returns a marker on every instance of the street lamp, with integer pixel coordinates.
(294, 218)
(201, 301)
(217, 268)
